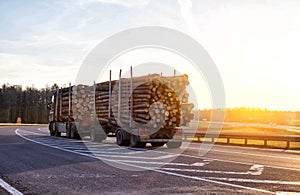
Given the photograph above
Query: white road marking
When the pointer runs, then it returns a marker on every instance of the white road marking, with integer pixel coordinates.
(136, 157)
(147, 168)
(160, 163)
(232, 161)
(44, 131)
(210, 171)
(256, 169)
(9, 188)
(120, 148)
(96, 152)
(185, 155)
(198, 164)
(256, 181)
(250, 154)
(287, 193)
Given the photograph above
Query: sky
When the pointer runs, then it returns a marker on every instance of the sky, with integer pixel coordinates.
(254, 44)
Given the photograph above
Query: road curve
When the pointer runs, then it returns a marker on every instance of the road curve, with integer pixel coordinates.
(32, 162)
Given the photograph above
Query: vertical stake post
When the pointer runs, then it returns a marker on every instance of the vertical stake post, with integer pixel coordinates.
(94, 89)
(131, 98)
(119, 98)
(56, 104)
(60, 102)
(109, 97)
(69, 100)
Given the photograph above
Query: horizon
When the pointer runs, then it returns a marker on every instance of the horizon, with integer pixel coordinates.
(265, 109)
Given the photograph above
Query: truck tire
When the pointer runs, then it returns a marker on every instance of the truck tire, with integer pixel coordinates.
(72, 129)
(135, 142)
(157, 144)
(77, 136)
(56, 132)
(96, 136)
(93, 134)
(51, 129)
(68, 130)
(70, 133)
(120, 137)
(174, 144)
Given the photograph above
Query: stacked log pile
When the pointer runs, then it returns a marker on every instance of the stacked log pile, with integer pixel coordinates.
(157, 102)
(80, 99)
(63, 104)
(102, 104)
(82, 102)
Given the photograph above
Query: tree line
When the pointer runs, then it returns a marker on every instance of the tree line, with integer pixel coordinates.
(30, 104)
(254, 115)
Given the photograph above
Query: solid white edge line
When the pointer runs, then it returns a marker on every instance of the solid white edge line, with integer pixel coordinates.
(156, 170)
(9, 188)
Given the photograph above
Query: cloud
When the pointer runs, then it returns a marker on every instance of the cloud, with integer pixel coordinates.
(127, 3)
(27, 70)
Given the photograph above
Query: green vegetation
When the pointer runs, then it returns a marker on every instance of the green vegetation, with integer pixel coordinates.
(29, 104)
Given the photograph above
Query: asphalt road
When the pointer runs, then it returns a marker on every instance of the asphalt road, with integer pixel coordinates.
(32, 162)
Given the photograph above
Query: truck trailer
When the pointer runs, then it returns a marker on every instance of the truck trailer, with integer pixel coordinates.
(137, 110)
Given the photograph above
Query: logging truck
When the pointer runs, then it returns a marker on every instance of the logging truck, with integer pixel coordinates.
(137, 110)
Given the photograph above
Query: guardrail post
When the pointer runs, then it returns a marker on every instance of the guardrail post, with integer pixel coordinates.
(228, 140)
(246, 141)
(199, 139)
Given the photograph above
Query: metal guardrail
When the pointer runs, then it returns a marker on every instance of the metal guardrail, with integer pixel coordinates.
(213, 136)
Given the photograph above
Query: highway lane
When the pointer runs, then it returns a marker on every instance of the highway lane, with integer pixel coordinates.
(37, 163)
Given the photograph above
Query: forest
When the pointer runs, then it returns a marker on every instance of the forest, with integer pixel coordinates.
(30, 104)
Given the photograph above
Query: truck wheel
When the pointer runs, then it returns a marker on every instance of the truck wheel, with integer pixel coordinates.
(77, 136)
(70, 133)
(174, 144)
(56, 131)
(157, 144)
(93, 134)
(51, 129)
(120, 137)
(135, 142)
(94, 137)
